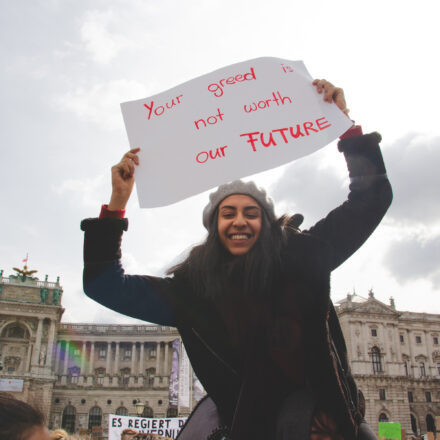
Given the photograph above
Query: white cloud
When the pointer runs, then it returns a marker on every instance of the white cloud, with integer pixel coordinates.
(85, 192)
(102, 44)
(100, 102)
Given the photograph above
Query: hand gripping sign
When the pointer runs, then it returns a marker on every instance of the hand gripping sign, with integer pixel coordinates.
(233, 122)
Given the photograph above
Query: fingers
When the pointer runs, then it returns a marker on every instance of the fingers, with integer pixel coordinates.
(331, 93)
(126, 167)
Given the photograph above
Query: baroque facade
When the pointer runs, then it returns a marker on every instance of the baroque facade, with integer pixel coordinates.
(79, 373)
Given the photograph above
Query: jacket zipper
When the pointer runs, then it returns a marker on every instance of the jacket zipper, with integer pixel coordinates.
(213, 352)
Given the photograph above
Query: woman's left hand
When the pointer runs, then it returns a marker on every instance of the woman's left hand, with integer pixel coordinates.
(331, 93)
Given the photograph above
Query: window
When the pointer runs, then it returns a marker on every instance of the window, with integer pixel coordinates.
(435, 340)
(68, 420)
(148, 412)
(102, 353)
(17, 332)
(428, 396)
(375, 358)
(422, 369)
(125, 373)
(373, 332)
(74, 374)
(402, 339)
(172, 412)
(410, 397)
(438, 367)
(382, 395)
(418, 339)
(100, 373)
(383, 417)
(95, 417)
(122, 411)
(127, 354)
(413, 424)
(430, 424)
(405, 367)
(77, 352)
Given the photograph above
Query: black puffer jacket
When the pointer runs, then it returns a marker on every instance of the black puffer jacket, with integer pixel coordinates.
(308, 259)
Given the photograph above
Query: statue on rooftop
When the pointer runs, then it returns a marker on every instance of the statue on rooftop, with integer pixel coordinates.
(24, 273)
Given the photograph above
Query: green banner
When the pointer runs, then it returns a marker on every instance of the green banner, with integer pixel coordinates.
(390, 431)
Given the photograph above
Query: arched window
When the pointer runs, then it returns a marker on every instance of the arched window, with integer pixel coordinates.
(172, 412)
(15, 331)
(375, 359)
(148, 412)
(413, 424)
(122, 411)
(383, 417)
(430, 424)
(68, 420)
(95, 417)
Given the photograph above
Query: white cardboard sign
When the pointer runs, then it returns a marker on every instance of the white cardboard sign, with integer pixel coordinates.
(236, 121)
(166, 427)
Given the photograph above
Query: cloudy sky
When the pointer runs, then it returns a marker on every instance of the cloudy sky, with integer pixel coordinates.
(67, 65)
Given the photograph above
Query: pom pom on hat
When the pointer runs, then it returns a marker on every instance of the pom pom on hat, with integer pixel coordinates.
(237, 187)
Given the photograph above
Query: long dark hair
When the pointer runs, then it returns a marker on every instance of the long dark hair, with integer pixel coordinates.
(17, 418)
(211, 270)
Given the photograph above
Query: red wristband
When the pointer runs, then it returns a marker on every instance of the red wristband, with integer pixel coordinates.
(106, 213)
(355, 130)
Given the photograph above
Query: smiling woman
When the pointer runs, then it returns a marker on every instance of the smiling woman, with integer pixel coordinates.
(252, 302)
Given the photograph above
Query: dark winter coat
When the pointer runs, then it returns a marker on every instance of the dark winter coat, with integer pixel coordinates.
(308, 259)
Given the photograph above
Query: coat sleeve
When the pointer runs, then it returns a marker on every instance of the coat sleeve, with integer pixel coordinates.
(348, 226)
(104, 280)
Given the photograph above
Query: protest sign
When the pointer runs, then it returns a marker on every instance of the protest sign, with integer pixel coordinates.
(236, 121)
(166, 427)
(14, 385)
(389, 430)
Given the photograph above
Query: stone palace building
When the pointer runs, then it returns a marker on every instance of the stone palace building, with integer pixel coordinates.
(79, 373)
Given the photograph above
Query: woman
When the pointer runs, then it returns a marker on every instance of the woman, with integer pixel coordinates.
(252, 303)
(20, 421)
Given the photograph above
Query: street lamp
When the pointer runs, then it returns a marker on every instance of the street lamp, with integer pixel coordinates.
(139, 407)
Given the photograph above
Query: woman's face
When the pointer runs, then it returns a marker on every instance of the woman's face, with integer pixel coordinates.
(239, 223)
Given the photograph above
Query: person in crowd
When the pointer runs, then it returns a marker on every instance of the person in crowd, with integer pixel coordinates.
(59, 434)
(252, 302)
(20, 421)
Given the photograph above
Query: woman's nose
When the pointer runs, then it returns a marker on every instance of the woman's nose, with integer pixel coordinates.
(239, 221)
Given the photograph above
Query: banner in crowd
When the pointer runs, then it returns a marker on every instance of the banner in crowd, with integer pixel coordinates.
(14, 385)
(184, 379)
(388, 430)
(166, 427)
(174, 376)
(236, 121)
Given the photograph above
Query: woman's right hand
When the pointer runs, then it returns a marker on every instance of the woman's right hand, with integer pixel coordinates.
(123, 180)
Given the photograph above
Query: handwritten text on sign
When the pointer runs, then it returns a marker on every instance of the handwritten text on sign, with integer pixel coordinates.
(166, 427)
(236, 121)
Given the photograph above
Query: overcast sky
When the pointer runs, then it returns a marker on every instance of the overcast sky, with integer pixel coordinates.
(67, 65)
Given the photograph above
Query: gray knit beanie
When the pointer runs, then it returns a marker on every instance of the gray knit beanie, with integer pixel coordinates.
(237, 187)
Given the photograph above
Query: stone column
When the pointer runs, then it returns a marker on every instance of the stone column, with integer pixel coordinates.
(141, 359)
(368, 369)
(28, 357)
(116, 367)
(167, 345)
(429, 366)
(37, 346)
(50, 347)
(141, 371)
(133, 358)
(66, 357)
(92, 357)
(411, 353)
(108, 357)
(387, 358)
(83, 357)
(158, 372)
